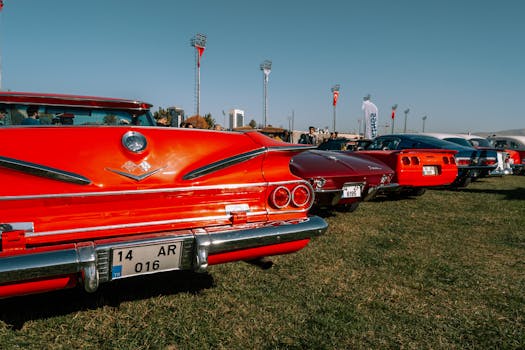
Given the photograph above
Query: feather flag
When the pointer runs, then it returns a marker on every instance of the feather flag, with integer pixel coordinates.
(371, 114)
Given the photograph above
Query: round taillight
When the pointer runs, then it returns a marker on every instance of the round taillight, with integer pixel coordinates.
(452, 160)
(406, 160)
(281, 197)
(415, 160)
(300, 196)
(445, 160)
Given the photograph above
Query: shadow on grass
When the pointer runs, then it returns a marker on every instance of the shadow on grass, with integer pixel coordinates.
(515, 194)
(16, 311)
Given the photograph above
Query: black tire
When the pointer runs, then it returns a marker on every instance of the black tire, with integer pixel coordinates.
(347, 208)
(416, 192)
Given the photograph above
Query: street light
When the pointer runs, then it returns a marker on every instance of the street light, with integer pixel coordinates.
(199, 43)
(335, 92)
(424, 119)
(406, 114)
(266, 68)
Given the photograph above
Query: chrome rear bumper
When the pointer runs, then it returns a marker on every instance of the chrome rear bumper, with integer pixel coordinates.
(91, 260)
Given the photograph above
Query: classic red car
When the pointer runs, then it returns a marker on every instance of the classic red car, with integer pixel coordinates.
(342, 180)
(85, 205)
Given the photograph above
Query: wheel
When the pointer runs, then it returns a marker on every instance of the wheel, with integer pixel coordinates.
(462, 182)
(347, 208)
(416, 192)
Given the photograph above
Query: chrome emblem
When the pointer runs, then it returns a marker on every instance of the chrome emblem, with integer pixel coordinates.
(131, 167)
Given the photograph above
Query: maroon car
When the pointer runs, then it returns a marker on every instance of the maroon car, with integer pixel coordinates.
(341, 180)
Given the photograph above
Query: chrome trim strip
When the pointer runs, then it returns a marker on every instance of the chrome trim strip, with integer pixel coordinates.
(290, 148)
(150, 191)
(43, 171)
(155, 223)
(223, 163)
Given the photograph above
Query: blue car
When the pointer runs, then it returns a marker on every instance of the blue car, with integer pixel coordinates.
(471, 162)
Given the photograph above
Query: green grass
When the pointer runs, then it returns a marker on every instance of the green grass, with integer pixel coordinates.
(441, 271)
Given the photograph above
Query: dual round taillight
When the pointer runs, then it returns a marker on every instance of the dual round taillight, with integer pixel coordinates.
(299, 196)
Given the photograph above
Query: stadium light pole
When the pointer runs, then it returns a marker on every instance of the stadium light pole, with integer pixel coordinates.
(424, 119)
(406, 114)
(199, 43)
(266, 68)
(335, 91)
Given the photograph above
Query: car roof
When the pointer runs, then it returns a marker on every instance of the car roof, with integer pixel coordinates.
(48, 99)
(429, 138)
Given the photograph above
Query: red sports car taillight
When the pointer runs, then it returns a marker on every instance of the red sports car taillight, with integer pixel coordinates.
(463, 161)
(488, 161)
(446, 160)
(410, 160)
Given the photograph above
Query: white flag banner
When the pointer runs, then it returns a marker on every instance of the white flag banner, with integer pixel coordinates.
(371, 115)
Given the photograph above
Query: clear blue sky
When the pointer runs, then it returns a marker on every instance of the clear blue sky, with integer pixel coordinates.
(460, 62)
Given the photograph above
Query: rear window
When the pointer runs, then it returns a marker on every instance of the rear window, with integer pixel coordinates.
(52, 115)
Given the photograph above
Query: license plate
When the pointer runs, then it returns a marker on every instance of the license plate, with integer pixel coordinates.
(429, 170)
(145, 259)
(351, 191)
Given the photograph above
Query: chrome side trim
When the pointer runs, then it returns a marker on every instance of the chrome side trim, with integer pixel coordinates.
(290, 148)
(43, 171)
(148, 191)
(224, 163)
(155, 223)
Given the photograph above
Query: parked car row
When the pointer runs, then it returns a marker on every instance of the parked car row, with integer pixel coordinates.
(91, 191)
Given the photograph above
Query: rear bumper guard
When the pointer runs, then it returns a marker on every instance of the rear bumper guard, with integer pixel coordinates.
(91, 260)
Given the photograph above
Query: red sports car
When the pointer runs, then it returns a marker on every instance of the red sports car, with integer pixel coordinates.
(109, 196)
(342, 180)
(415, 169)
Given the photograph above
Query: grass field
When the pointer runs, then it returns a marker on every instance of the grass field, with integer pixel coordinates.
(442, 271)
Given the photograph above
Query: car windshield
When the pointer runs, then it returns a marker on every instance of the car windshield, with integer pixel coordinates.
(57, 115)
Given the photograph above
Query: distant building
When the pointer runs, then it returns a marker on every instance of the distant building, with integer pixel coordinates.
(177, 116)
(236, 118)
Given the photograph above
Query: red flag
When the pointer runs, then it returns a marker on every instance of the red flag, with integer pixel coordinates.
(336, 96)
(393, 114)
(1, 5)
(200, 49)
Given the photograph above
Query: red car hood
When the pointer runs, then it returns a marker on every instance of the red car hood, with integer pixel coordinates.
(329, 163)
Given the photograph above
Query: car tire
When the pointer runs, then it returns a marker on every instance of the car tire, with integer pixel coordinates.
(347, 208)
